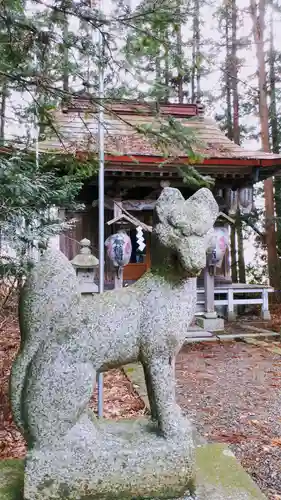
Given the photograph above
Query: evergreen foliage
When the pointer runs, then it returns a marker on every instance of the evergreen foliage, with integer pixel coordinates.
(31, 194)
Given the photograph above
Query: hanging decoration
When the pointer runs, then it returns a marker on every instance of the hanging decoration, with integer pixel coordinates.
(246, 200)
(140, 239)
(242, 199)
(232, 202)
(218, 247)
(119, 250)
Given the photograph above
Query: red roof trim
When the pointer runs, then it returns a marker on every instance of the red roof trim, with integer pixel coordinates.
(138, 167)
(275, 162)
(147, 160)
(152, 160)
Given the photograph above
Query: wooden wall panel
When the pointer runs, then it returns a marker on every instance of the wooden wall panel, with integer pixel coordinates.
(69, 239)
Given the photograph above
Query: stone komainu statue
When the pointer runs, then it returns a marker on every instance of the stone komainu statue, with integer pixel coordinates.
(66, 339)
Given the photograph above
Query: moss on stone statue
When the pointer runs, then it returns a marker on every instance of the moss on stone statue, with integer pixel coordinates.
(11, 479)
(12, 476)
(219, 477)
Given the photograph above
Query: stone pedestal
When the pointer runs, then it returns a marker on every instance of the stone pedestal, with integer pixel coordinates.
(219, 476)
(124, 460)
(210, 322)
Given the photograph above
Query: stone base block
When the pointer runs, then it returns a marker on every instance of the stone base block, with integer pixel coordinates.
(219, 476)
(124, 460)
(210, 324)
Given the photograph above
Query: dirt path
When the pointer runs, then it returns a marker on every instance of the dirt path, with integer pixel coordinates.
(232, 391)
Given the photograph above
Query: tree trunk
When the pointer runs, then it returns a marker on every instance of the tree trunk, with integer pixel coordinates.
(277, 192)
(275, 138)
(3, 110)
(228, 86)
(258, 20)
(236, 132)
(65, 81)
(195, 67)
(234, 74)
(167, 73)
(179, 54)
(193, 62)
(272, 90)
(2, 127)
(198, 53)
(158, 77)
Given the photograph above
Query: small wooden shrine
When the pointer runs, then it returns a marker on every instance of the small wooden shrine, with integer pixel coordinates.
(136, 170)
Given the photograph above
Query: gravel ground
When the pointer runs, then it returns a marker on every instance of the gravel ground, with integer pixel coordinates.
(232, 392)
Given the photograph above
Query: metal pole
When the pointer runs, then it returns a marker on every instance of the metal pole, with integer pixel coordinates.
(36, 119)
(101, 195)
(37, 132)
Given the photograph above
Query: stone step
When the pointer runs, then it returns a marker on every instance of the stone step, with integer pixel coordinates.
(197, 332)
(229, 336)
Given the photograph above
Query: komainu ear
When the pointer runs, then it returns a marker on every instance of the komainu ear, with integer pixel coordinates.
(169, 201)
(201, 210)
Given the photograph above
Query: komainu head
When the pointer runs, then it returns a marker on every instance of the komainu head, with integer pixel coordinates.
(185, 227)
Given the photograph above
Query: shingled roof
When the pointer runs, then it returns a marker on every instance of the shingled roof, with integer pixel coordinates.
(76, 127)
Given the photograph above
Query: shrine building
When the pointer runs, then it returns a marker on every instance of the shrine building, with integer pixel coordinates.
(136, 170)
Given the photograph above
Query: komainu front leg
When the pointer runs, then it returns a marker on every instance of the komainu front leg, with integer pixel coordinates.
(170, 419)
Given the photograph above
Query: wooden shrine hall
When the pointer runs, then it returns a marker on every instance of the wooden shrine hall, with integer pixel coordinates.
(135, 172)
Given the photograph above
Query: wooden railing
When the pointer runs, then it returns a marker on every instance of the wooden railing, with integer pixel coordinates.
(230, 296)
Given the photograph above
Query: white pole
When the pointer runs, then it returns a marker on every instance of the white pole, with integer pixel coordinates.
(37, 132)
(101, 193)
(36, 118)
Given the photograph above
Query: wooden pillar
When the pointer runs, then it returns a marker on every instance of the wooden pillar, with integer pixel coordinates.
(271, 242)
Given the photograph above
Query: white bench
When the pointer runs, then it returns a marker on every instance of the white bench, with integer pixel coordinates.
(231, 293)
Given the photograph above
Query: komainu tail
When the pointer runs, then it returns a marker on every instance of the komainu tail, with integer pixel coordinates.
(50, 293)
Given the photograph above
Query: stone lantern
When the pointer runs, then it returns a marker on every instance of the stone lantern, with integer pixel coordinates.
(85, 264)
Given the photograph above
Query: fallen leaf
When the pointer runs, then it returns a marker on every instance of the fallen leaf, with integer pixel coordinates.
(255, 422)
(276, 442)
(231, 438)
